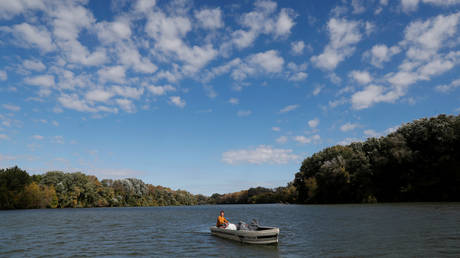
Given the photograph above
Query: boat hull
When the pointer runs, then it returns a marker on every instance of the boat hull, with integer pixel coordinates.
(262, 236)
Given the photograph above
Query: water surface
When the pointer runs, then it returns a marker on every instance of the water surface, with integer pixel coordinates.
(415, 229)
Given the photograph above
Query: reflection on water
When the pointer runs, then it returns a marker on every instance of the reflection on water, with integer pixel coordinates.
(306, 230)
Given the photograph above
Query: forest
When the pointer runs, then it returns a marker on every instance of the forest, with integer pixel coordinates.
(420, 161)
(71, 190)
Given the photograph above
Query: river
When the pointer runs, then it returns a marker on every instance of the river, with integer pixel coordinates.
(407, 230)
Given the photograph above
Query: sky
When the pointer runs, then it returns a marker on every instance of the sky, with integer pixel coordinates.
(215, 96)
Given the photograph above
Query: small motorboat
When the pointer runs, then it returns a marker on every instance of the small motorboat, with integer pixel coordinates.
(259, 235)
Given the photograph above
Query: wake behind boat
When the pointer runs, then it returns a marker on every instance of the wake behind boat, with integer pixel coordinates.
(249, 235)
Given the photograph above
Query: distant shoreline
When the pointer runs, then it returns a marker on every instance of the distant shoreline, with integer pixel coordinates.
(250, 204)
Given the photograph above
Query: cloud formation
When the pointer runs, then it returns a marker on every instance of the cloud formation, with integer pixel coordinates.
(262, 154)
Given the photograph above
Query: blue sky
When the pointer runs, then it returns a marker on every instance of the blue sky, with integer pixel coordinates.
(215, 96)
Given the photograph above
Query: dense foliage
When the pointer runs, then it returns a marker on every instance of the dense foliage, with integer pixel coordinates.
(257, 195)
(418, 162)
(62, 190)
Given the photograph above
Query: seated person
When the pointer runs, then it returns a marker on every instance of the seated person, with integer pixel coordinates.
(222, 222)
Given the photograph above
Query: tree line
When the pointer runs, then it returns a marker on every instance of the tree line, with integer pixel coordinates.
(420, 161)
(57, 189)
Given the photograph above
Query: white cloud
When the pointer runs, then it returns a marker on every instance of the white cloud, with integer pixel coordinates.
(435, 67)
(3, 75)
(219, 70)
(448, 87)
(160, 90)
(423, 41)
(144, 5)
(412, 5)
(402, 79)
(371, 133)
(334, 78)
(263, 62)
(313, 123)
(177, 101)
(10, 107)
(357, 6)
(210, 18)
(367, 97)
(288, 108)
(392, 129)
(345, 90)
(297, 47)
(129, 56)
(168, 33)
(302, 139)
(9, 9)
(55, 123)
(343, 35)
(317, 89)
(276, 129)
(282, 139)
(41, 80)
(296, 72)
(68, 80)
(262, 154)
(33, 36)
(242, 113)
(299, 76)
(234, 101)
(269, 61)
(126, 105)
(442, 2)
(284, 23)
(263, 20)
(98, 95)
(109, 32)
(381, 53)
(4, 137)
(72, 101)
(37, 137)
(348, 127)
(112, 74)
(34, 65)
(128, 92)
(362, 77)
(68, 19)
(409, 5)
(243, 39)
(306, 140)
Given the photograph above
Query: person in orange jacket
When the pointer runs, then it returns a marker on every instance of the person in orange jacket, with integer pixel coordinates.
(222, 222)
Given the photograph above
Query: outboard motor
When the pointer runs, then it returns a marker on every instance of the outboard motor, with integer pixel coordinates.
(254, 225)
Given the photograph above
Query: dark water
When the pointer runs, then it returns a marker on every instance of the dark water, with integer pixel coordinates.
(407, 230)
